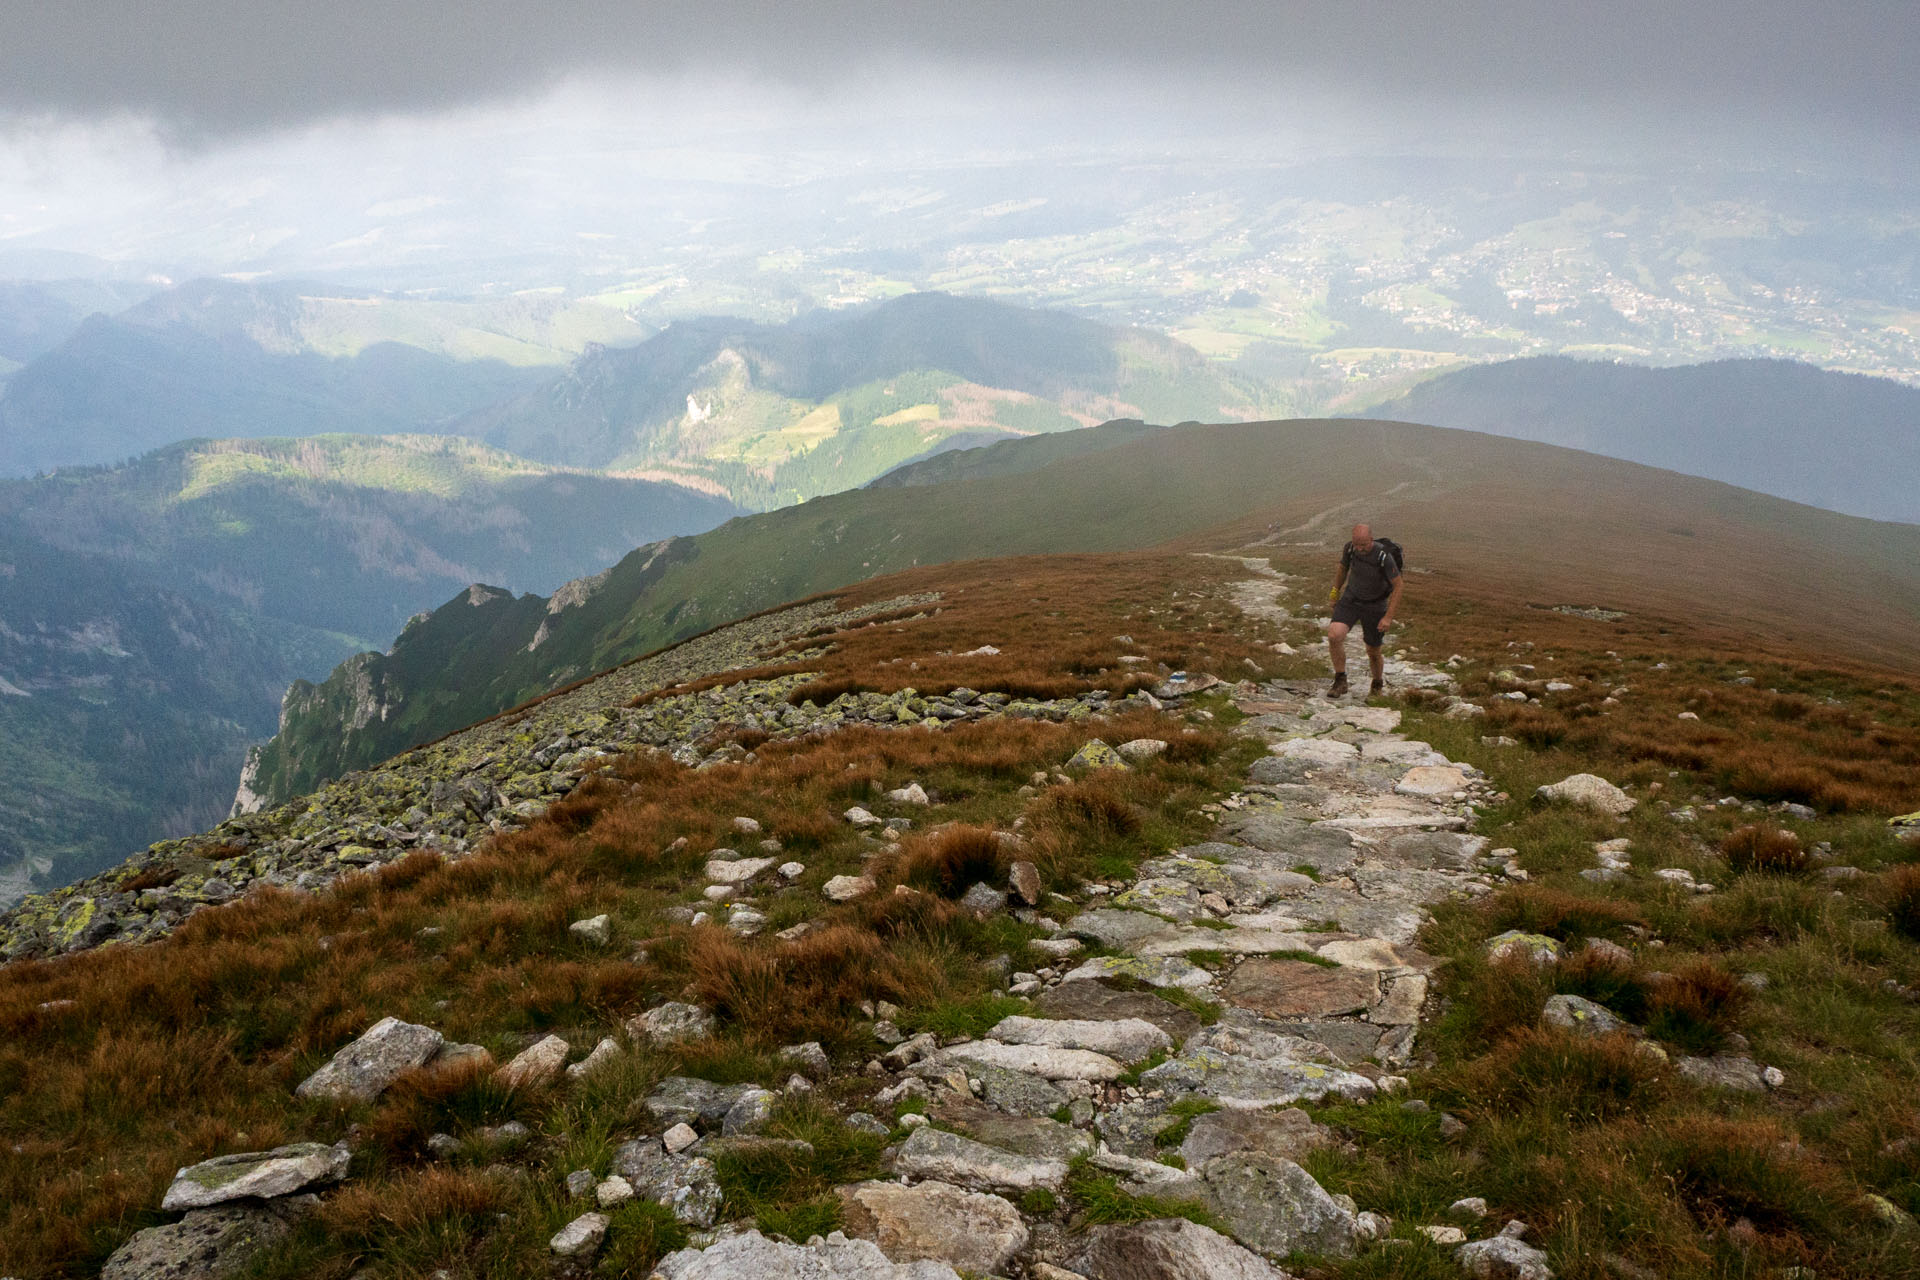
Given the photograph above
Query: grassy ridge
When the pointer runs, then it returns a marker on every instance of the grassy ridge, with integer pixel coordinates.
(1558, 526)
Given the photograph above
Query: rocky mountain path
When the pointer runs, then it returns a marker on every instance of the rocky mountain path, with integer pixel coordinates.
(1160, 1058)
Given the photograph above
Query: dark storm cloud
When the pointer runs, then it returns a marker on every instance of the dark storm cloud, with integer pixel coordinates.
(225, 66)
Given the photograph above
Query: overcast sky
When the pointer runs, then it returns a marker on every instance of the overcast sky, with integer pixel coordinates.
(211, 68)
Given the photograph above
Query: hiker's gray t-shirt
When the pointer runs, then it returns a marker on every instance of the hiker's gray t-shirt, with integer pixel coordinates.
(1367, 581)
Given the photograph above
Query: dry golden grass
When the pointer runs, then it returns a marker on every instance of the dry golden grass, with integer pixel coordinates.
(1770, 850)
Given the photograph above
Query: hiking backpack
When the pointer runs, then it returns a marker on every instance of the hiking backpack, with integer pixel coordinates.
(1392, 548)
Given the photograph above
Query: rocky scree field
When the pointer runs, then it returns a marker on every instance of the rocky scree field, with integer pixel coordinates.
(1062, 929)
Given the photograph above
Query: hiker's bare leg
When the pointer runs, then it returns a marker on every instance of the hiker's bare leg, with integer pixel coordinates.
(1377, 661)
(1337, 646)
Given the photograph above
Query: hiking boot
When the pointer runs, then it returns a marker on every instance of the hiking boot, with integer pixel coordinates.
(1338, 689)
(1378, 687)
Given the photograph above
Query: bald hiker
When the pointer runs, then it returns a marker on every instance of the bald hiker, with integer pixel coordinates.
(1366, 590)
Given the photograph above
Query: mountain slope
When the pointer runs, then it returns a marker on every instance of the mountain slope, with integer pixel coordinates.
(152, 615)
(1571, 527)
(212, 358)
(777, 414)
(1836, 440)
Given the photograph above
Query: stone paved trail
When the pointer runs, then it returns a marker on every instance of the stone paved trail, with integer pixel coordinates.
(1298, 920)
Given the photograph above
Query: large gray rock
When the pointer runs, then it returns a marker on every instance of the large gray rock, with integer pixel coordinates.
(207, 1244)
(540, 1063)
(671, 1023)
(1725, 1071)
(947, 1157)
(1038, 1136)
(1168, 1249)
(1584, 1018)
(1037, 1060)
(365, 1068)
(969, 1230)
(1299, 989)
(1098, 1000)
(581, 1237)
(1016, 1092)
(700, 1103)
(688, 1185)
(1250, 1067)
(1155, 971)
(257, 1175)
(1275, 1206)
(751, 1254)
(1288, 1133)
(1127, 1039)
(1589, 791)
(1502, 1257)
(1111, 927)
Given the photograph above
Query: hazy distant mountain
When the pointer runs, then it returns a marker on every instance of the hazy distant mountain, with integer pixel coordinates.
(217, 359)
(38, 315)
(775, 414)
(152, 615)
(1836, 440)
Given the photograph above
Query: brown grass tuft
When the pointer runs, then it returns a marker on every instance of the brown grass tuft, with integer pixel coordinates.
(1902, 891)
(1578, 1077)
(1696, 1006)
(156, 877)
(1767, 850)
(1559, 913)
(948, 861)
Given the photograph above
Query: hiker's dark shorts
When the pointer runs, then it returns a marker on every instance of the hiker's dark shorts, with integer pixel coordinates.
(1367, 615)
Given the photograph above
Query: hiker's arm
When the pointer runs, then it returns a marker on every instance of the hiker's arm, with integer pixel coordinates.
(1339, 581)
(1393, 601)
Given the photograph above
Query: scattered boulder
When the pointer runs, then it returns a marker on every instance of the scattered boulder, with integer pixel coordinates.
(538, 1064)
(1585, 1018)
(809, 1057)
(860, 817)
(701, 1103)
(749, 1114)
(1537, 947)
(912, 793)
(984, 899)
(1589, 791)
(1142, 748)
(847, 888)
(834, 1258)
(1728, 1071)
(1023, 880)
(595, 929)
(735, 871)
(606, 1051)
(1502, 1257)
(969, 1230)
(581, 1237)
(1168, 1249)
(1183, 683)
(365, 1068)
(207, 1244)
(257, 1175)
(1095, 755)
(671, 1023)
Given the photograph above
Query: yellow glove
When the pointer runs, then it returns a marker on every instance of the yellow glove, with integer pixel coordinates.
(1333, 596)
